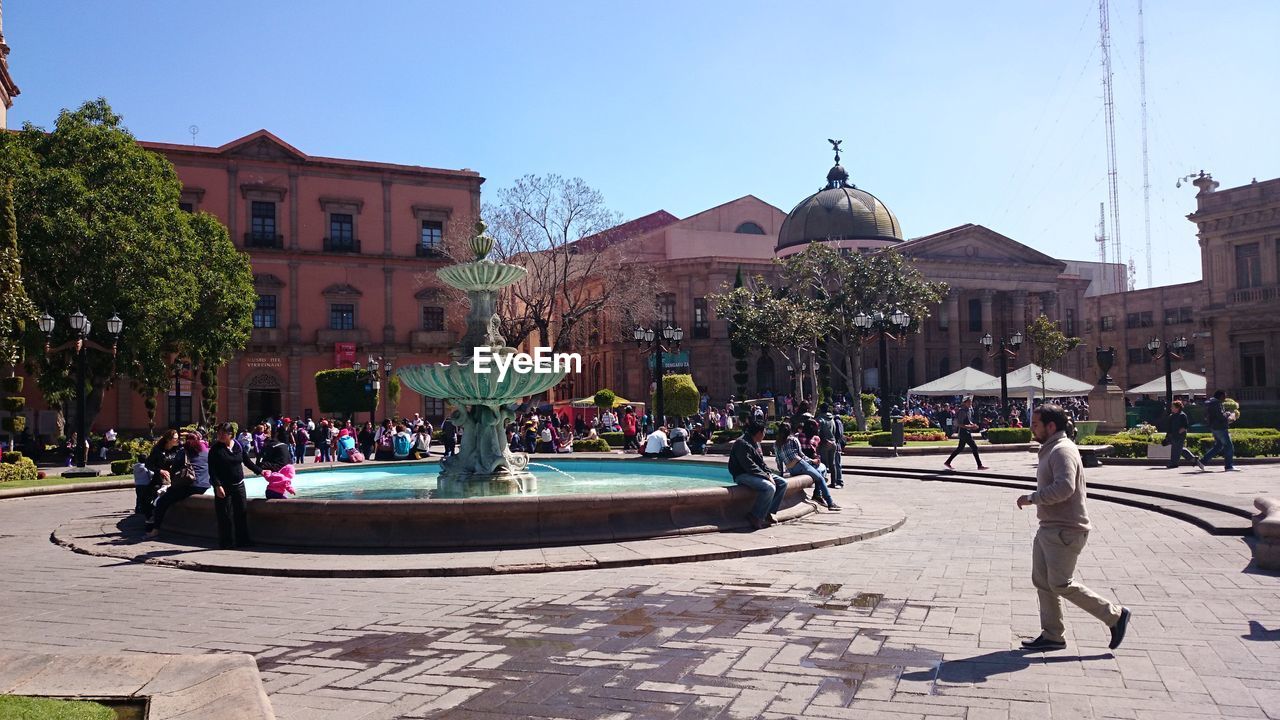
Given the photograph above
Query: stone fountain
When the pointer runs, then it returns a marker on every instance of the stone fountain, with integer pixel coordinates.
(484, 404)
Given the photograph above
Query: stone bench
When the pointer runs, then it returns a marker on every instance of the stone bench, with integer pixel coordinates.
(1089, 454)
(1266, 533)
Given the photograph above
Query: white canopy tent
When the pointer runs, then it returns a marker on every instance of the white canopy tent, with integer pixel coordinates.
(1184, 383)
(1023, 381)
(961, 382)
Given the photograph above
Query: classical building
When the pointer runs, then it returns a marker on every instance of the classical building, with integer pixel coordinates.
(8, 89)
(1229, 316)
(343, 254)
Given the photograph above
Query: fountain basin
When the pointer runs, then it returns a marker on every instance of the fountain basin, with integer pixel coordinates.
(490, 522)
(462, 386)
(483, 275)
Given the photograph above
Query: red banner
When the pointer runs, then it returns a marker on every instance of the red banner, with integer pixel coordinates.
(344, 354)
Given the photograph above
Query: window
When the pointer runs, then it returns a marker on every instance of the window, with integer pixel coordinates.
(433, 410)
(186, 207)
(1069, 321)
(1178, 316)
(342, 317)
(749, 228)
(701, 323)
(341, 233)
(1138, 320)
(432, 233)
(1139, 356)
(1253, 369)
(262, 221)
(975, 316)
(432, 318)
(667, 310)
(264, 313)
(1107, 322)
(1088, 324)
(1248, 266)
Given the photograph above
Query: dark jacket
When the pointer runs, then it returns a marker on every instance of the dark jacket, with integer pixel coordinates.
(226, 464)
(745, 458)
(1176, 423)
(275, 455)
(1213, 415)
(161, 459)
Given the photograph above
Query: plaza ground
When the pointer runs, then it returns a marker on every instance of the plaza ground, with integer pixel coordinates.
(918, 623)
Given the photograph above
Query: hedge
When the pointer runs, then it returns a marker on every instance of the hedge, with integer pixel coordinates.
(615, 439)
(122, 467)
(11, 456)
(24, 469)
(858, 436)
(589, 445)
(880, 439)
(1124, 446)
(924, 436)
(14, 424)
(724, 436)
(1007, 436)
(15, 404)
(915, 422)
(11, 385)
(1248, 442)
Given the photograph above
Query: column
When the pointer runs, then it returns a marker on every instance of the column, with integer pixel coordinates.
(953, 330)
(233, 216)
(918, 355)
(1049, 301)
(988, 299)
(293, 400)
(386, 218)
(234, 394)
(295, 329)
(1021, 311)
(388, 325)
(293, 209)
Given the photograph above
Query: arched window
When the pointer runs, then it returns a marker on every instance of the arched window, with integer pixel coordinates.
(750, 228)
(764, 375)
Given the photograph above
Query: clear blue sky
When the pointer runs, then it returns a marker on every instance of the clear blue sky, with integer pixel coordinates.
(951, 113)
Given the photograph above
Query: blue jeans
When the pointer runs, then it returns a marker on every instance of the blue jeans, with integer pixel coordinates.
(769, 492)
(819, 483)
(324, 452)
(1221, 444)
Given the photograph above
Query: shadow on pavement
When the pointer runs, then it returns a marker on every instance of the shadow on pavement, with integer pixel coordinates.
(980, 668)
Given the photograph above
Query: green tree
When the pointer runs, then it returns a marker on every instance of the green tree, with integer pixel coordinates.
(679, 395)
(738, 347)
(100, 231)
(16, 311)
(1048, 346)
(343, 392)
(393, 393)
(604, 399)
(772, 319)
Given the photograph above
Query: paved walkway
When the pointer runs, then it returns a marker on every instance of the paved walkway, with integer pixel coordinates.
(918, 623)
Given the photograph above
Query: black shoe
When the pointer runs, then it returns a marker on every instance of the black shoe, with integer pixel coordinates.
(1043, 643)
(834, 507)
(1117, 630)
(757, 523)
(817, 498)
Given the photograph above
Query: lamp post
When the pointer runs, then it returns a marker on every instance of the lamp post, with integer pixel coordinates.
(654, 339)
(1172, 349)
(881, 324)
(1007, 348)
(80, 342)
(377, 368)
(178, 366)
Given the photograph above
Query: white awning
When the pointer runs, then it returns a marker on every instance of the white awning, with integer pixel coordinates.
(961, 382)
(1024, 381)
(1184, 383)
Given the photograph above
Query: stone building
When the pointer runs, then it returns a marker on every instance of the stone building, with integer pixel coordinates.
(8, 89)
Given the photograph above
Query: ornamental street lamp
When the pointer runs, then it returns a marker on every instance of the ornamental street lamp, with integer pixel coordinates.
(1007, 348)
(655, 339)
(1172, 349)
(175, 418)
(880, 324)
(377, 368)
(80, 342)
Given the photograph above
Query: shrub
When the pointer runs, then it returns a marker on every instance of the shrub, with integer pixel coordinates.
(880, 439)
(858, 436)
(679, 395)
(926, 436)
(11, 457)
(1246, 445)
(596, 445)
(343, 392)
(24, 469)
(122, 467)
(614, 439)
(1259, 419)
(135, 447)
(14, 424)
(724, 436)
(604, 399)
(1006, 436)
(1124, 446)
(915, 422)
(873, 423)
(15, 404)
(11, 385)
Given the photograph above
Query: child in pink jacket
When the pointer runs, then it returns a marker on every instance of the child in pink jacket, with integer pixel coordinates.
(279, 482)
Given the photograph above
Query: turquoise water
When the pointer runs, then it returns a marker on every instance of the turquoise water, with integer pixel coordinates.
(374, 481)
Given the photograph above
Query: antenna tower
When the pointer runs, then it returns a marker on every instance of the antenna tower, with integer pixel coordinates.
(1108, 101)
(1146, 160)
(1101, 237)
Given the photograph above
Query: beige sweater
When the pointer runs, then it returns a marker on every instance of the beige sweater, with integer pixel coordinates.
(1060, 489)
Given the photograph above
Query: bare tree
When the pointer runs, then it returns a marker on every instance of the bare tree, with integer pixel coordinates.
(582, 275)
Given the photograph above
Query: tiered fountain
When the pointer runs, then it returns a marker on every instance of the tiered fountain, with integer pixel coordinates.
(483, 465)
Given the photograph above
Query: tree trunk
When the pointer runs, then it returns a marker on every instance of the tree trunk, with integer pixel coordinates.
(855, 372)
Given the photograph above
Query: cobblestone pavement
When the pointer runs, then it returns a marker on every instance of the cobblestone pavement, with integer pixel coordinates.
(919, 623)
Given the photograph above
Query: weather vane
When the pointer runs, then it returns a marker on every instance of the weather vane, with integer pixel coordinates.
(835, 145)
(194, 130)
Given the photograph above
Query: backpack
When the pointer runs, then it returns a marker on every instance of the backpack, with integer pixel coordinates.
(402, 444)
(827, 430)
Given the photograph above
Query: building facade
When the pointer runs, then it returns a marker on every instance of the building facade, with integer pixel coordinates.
(343, 255)
(8, 89)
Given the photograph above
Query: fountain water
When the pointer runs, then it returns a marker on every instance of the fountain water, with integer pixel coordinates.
(485, 404)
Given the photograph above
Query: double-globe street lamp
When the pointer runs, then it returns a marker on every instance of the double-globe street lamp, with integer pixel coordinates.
(883, 325)
(1172, 349)
(80, 342)
(377, 368)
(1007, 348)
(654, 339)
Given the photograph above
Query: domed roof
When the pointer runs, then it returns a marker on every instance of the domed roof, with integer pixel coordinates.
(839, 211)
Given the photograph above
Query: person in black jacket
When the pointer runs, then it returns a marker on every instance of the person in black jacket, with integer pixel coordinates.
(746, 465)
(276, 451)
(1176, 436)
(226, 474)
(1219, 422)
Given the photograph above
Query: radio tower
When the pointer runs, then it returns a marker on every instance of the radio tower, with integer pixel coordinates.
(1101, 237)
(1146, 161)
(1108, 102)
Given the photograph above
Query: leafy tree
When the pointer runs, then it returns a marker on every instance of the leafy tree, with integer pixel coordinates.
(679, 396)
(343, 392)
(100, 231)
(773, 319)
(738, 348)
(393, 392)
(604, 399)
(16, 310)
(1048, 346)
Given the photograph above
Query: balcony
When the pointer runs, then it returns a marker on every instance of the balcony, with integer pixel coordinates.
(429, 340)
(326, 338)
(429, 252)
(1254, 294)
(265, 336)
(339, 245)
(263, 241)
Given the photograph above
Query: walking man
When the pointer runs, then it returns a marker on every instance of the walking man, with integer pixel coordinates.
(1219, 422)
(1064, 530)
(965, 425)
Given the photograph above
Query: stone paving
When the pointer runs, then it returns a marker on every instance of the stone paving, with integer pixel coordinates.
(918, 623)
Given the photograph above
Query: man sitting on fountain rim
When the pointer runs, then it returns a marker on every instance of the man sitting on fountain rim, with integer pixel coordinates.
(746, 465)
